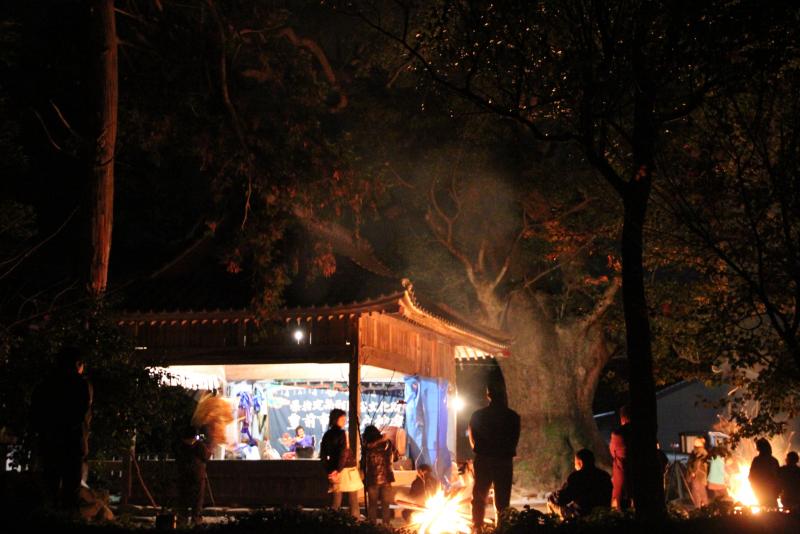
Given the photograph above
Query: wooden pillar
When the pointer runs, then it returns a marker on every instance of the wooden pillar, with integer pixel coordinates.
(127, 477)
(354, 389)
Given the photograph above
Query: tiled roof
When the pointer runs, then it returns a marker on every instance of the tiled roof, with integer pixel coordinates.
(405, 303)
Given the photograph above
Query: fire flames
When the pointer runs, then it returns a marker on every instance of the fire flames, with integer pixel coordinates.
(738, 467)
(739, 486)
(443, 514)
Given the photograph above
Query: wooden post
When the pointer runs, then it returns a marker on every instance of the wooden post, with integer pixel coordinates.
(127, 476)
(354, 390)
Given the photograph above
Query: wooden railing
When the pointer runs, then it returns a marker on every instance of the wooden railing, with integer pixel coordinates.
(233, 483)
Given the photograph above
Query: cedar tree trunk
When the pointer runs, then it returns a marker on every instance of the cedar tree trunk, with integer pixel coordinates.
(102, 141)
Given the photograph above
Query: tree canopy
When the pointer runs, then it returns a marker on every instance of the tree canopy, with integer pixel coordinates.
(524, 162)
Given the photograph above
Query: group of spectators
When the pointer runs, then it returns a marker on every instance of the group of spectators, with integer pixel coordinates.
(377, 457)
(705, 474)
(493, 433)
(589, 487)
(771, 481)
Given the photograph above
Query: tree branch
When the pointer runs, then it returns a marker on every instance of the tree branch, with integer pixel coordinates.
(464, 91)
(605, 302)
(445, 235)
(558, 265)
(17, 260)
(52, 141)
(316, 50)
(226, 99)
(507, 262)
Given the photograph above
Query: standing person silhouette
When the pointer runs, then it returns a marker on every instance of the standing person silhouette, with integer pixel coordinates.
(61, 412)
(340, 463)
(764, 475)
(789, 480)
(376, 460)
(493, 434)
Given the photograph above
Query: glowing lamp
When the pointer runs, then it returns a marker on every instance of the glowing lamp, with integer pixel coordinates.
(298, 335)
(458, 403)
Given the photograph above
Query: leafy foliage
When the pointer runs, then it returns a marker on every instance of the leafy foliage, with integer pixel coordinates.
(250, 131)
(129, 399)
(736, 197)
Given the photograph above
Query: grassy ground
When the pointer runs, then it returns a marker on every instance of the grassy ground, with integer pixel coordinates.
(18, 513)
(295, 521)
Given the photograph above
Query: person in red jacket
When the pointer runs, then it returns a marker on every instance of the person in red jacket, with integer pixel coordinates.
(621, 496)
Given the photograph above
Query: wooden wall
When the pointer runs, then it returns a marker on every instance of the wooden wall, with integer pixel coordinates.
(218, 337)
(393, 343)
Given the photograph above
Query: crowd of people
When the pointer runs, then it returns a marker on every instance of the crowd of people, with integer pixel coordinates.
(493, 434)
(492, 466)
(706, 473)
(588, 487)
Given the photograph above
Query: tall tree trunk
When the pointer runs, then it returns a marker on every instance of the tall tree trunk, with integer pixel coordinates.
(647, 484)
(551, 377)
(102, 141)
(648, 490)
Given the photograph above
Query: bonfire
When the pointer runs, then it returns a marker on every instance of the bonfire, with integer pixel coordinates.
(738, 466)
(445, 512)
(442, 514)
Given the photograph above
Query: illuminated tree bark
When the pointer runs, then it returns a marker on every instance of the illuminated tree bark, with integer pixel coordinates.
(102, 142)
(551, 378)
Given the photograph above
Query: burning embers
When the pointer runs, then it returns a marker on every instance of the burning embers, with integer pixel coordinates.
(442, 514)
(737, 471)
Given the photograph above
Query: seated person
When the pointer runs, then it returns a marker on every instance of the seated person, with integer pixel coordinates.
(465, 481)
(585, 489)
(268, 452)
(302, 445)
(424, 487)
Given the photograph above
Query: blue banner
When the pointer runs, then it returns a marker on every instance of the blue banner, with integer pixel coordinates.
(426, 423)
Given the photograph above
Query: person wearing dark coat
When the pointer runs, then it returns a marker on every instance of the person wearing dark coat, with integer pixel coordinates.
(586, 488)
(764, 475)
(61, 414)
(422, 488)
(424, 485)
(493, 433)
(376, 461)
(191, 458)
(789, 482)
(335, 453)
(619, 447)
